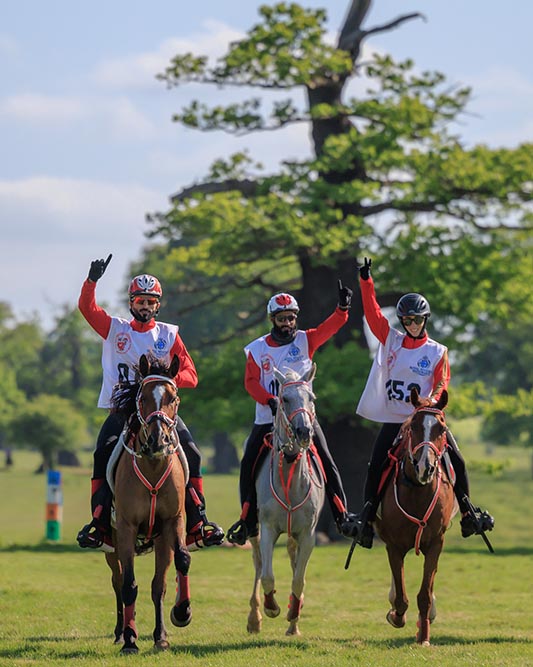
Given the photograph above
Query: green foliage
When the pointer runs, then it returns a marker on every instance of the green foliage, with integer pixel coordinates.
(48, 424)
(508, 419)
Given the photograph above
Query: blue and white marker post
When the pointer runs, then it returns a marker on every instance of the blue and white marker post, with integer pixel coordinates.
(54, 506)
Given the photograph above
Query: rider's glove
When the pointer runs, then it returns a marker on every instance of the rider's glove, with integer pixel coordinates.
(364, 270)
(273, 405)
(98, 268)
(345, 296)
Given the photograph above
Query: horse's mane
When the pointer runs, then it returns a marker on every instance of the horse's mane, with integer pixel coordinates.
(123, 396)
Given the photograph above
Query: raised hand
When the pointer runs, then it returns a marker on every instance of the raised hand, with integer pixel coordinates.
(98, 268)
(364, 270)
(345, 296)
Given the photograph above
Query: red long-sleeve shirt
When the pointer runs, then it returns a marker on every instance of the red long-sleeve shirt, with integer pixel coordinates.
(100, 321)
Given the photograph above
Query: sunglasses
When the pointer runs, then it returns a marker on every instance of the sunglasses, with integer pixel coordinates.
(417, 319)
(139, 300)
(285, 318)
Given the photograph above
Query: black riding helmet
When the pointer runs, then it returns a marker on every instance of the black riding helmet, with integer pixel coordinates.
(413, 304)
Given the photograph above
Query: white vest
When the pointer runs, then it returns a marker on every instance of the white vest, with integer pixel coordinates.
(294, 356)
(395, 371)
(123, 347)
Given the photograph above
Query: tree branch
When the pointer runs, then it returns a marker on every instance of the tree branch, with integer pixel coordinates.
(245, 186)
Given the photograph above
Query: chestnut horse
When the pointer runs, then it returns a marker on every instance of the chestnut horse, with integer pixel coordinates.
(290, 496)
(416, 510)
(149, 488)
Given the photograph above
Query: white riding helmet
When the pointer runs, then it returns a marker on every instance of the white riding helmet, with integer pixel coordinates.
(280, 302)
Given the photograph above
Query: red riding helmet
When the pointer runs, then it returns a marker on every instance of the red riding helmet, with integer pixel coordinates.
(145, 285)
(280, 302)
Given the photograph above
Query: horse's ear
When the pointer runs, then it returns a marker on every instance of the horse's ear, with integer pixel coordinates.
(415, 398)
(174, 366)
(443, 400)
(278, 375)
(144, 366)
(310, 375)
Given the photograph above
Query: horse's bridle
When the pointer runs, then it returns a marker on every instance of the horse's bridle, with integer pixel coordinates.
(425, 443)
(285, 421)
(158, 415)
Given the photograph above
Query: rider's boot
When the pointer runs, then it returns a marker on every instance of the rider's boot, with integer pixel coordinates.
(474, 521)
(246, 526)
(344, 519)
(360, 528)
(97, 533)
(200, 531)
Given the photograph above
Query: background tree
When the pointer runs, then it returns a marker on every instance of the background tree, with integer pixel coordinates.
(48, 424)
(387, 179)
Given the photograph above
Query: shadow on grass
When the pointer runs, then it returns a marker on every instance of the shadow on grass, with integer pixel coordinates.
(31, 645)
(45, 547)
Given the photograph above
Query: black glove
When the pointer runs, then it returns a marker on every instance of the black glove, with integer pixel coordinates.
(364, 270)
(273, 405)
(345, 296)
(98, 268)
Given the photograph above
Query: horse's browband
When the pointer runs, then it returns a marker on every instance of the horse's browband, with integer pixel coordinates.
(156, 378)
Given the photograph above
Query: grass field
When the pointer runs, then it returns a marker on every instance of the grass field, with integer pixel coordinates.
(57, 607)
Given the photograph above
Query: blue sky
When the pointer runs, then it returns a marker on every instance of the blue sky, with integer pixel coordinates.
(87, 142)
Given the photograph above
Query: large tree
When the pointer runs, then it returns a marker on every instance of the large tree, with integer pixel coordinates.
(387, 178)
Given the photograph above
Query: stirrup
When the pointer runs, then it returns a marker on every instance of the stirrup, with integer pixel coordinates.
(347, 524)
(476, 522)
(238, 533)
(209, 534)
(91, 536)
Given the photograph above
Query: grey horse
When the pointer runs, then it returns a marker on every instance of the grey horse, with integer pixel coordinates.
(290, 496)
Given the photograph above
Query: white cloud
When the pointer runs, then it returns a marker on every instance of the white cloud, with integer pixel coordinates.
(139, 71)
(53, 228)
(118, 115)
(42, 109)
(503, 88)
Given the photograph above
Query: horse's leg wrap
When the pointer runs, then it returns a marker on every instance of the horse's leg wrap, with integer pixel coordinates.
(182, 560)
(295, 605)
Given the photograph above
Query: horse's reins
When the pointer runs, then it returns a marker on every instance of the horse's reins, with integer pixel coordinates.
(145, 422)
(421, 523)
(286, 424)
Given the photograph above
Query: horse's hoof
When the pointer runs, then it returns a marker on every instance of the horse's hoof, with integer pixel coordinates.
(253, 629)
(161, 645)
(272, 613)
(293, 632)
(131, 649)
(118, 639)
(395, 620)
(181, 615)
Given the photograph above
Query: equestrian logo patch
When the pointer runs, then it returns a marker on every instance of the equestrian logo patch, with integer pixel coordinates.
(266, 364)
(160, 347)
(423, 366)
(122, 343)
(294, 354)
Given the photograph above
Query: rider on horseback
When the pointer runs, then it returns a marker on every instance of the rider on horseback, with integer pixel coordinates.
(288, 346)
(404, 360)
(124, 343)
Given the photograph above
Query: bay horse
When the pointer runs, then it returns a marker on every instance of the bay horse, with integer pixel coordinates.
(290, 496)
(149, 497)
(417, 507)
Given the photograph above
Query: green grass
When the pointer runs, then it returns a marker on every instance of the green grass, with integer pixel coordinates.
(57, 606)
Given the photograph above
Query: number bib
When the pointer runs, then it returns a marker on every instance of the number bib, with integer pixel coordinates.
(395, 371)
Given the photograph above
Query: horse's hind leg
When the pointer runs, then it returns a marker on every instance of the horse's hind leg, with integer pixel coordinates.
(116, 580)
(163, 557)
(398, 595)
(425, 598)
(254, 617)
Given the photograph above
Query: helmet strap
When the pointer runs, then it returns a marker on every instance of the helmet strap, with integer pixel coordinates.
(420, 335)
